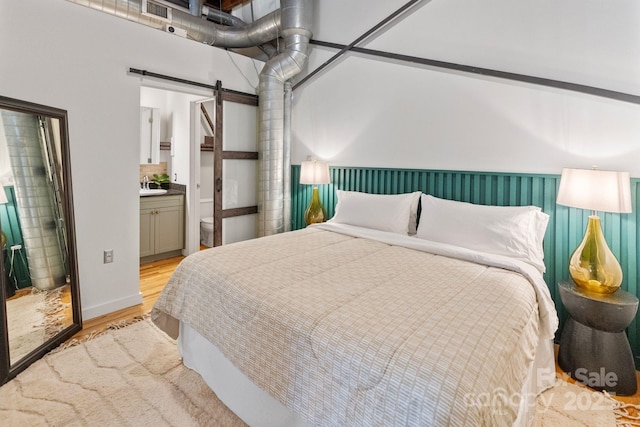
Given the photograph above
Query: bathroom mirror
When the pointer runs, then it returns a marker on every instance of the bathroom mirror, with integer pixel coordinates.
(40, 300)
(149, 135)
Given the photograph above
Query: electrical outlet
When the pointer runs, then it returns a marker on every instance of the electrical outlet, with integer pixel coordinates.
(108, 256)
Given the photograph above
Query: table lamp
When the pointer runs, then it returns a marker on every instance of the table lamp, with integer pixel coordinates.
(314, 173)
(592, 265)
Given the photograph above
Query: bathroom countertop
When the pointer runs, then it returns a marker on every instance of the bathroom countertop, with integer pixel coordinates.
(173, 190)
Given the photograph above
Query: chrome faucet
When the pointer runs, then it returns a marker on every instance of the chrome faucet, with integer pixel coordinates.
(145, 182)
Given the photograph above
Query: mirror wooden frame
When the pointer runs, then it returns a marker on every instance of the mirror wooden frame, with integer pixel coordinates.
(8, 370)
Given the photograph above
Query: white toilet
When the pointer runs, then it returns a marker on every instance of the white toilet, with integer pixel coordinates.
(206, 231)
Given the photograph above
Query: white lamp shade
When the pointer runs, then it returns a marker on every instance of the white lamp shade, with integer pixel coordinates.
(3, 196)
(314, 173)
(596, 190)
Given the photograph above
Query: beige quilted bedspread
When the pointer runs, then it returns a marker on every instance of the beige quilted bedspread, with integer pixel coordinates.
(351, 331)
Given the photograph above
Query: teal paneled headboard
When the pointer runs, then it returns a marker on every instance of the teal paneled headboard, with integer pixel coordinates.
(564, 233)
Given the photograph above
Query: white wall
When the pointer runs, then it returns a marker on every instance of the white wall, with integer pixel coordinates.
(363, 111)
(366, 111)
(71, 57)
(206, 167)
(6, 174)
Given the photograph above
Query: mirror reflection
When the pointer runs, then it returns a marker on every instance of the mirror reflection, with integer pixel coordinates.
(40, 299)
(149, 135)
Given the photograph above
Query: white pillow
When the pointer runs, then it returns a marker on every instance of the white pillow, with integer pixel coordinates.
(514, 231)
(413, 213)
(396, 213)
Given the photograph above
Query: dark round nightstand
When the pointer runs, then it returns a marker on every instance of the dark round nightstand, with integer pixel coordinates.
(594, 348)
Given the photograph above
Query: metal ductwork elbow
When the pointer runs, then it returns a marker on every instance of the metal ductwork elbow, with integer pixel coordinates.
(273, 188)
(292, 22)
(195, 7)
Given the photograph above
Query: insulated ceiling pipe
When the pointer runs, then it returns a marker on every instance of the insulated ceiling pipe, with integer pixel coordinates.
(293, 22)
(195, 7)
(286, 179)
(273, 191)
(214, 15)
(261, 31)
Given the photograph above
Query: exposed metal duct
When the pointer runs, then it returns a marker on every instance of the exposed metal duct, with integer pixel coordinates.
(293, 23)
(37, 210)
(223, 18)
(217, 16)
(195, 7)
(287, 154)
(261, 31)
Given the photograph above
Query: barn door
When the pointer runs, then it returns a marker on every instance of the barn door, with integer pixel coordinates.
(235, 155)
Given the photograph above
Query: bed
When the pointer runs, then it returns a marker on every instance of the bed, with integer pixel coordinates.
(363, 321)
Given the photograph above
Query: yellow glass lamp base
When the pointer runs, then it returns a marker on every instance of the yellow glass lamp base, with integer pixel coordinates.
(315, 212)
(593, 266)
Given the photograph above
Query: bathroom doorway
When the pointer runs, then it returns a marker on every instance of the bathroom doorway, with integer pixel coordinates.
(178, 126)
(206, 142)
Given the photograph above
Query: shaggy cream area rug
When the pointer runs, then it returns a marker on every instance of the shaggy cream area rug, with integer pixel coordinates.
(569, 405)
(126, 377)
(32, 319)
(132, 376)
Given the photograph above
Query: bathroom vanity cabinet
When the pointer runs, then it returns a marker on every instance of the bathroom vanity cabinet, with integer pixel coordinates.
(161, 227)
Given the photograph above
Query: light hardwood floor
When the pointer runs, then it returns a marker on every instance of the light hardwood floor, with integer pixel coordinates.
(154, 276)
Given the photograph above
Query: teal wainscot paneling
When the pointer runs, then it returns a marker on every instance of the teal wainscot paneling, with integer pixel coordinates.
(564, 232)
(15, 260)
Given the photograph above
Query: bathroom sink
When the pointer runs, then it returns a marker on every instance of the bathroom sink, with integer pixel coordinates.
(152, 191)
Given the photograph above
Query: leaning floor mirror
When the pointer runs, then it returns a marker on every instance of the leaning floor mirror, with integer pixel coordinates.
(40, 300)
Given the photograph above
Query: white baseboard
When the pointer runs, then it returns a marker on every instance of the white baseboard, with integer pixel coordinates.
(111, 306)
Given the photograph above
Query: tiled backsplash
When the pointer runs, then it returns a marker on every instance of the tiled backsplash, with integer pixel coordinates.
(150, 169)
